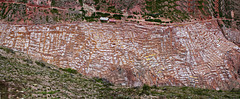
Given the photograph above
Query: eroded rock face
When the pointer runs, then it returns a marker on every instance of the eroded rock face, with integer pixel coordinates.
(232, 35)
(128, 54)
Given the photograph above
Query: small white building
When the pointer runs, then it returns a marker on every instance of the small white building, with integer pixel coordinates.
(104, 18)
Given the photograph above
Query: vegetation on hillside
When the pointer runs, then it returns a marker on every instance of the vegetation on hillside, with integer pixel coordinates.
(161, 8)
(163, 11)
(24, 77)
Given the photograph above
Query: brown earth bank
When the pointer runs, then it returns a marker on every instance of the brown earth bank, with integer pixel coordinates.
(195, 54)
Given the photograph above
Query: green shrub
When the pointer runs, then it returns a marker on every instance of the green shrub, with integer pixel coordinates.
(55, 19)
(102, 14)
(104, 81)
(2, 57)
(69, 70)
(104, 1)
(81, 2)
(146, 90)
(8, 50)
(40, 63)
(136, 13)
(220, 91)
(103, 21)
(50, 92)
(154, 15)
(226, 96)
(54, 11)
(24, 1)
(83, 11)
(201, 92)
(130, 16)
(47, 18)
(53, 3)
(98, 7)
(237, 91)
(99, 13)
(28, 61)
(116, 16)
(146, 87)
(112, 9)
(90, 19)
(96, 2)
(153, 20)
(184, 88)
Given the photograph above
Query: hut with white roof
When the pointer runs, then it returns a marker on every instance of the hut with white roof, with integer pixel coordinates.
(104, 18)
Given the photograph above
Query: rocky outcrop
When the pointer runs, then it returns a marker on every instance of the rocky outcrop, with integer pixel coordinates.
(193, 54)
(232, 35)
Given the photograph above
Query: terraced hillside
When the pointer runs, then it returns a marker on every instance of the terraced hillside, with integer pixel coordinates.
(24, 77)
(192, 54)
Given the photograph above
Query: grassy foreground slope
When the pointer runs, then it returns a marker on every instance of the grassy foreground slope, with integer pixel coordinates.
(24, 77)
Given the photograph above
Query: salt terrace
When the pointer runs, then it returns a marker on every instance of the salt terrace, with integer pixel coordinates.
(130, 54)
